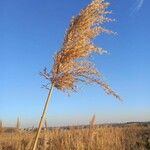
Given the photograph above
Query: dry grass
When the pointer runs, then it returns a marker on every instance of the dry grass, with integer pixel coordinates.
(132, 137)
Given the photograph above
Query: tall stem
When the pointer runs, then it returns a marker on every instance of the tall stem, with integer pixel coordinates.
(43, 117)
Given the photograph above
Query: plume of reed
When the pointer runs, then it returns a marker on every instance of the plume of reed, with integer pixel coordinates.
(93, 120)
(18, 124)
(1, 126)
(46, 124)
(72, 63)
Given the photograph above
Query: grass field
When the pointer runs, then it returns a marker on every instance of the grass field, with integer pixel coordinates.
(104, 137)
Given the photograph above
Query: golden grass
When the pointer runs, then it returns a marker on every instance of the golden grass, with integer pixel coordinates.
(132, 137)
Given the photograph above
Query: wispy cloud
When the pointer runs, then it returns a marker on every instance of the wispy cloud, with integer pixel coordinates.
(138, 6)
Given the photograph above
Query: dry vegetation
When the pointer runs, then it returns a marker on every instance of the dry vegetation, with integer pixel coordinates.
(127, 137)
(72, 62)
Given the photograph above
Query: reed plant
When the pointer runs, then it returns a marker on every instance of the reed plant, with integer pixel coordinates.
(72, 63)
(18, 124)
(1, 126)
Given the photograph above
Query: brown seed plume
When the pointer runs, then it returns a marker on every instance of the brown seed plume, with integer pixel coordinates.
(72, 63)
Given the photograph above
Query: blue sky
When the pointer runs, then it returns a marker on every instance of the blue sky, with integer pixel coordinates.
(32, 31)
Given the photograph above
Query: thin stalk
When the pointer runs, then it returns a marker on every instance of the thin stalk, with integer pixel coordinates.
(43, 117)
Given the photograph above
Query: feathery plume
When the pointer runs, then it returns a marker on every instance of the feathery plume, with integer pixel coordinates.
(18, 124)
(72, 63)
(1, 126)
(93, 120)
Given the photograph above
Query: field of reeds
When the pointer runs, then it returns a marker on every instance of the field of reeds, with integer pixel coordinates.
(103, 137)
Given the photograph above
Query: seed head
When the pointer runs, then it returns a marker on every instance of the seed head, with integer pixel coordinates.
(72, 63)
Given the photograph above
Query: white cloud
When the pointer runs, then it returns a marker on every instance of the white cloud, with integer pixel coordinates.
(138, 6)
